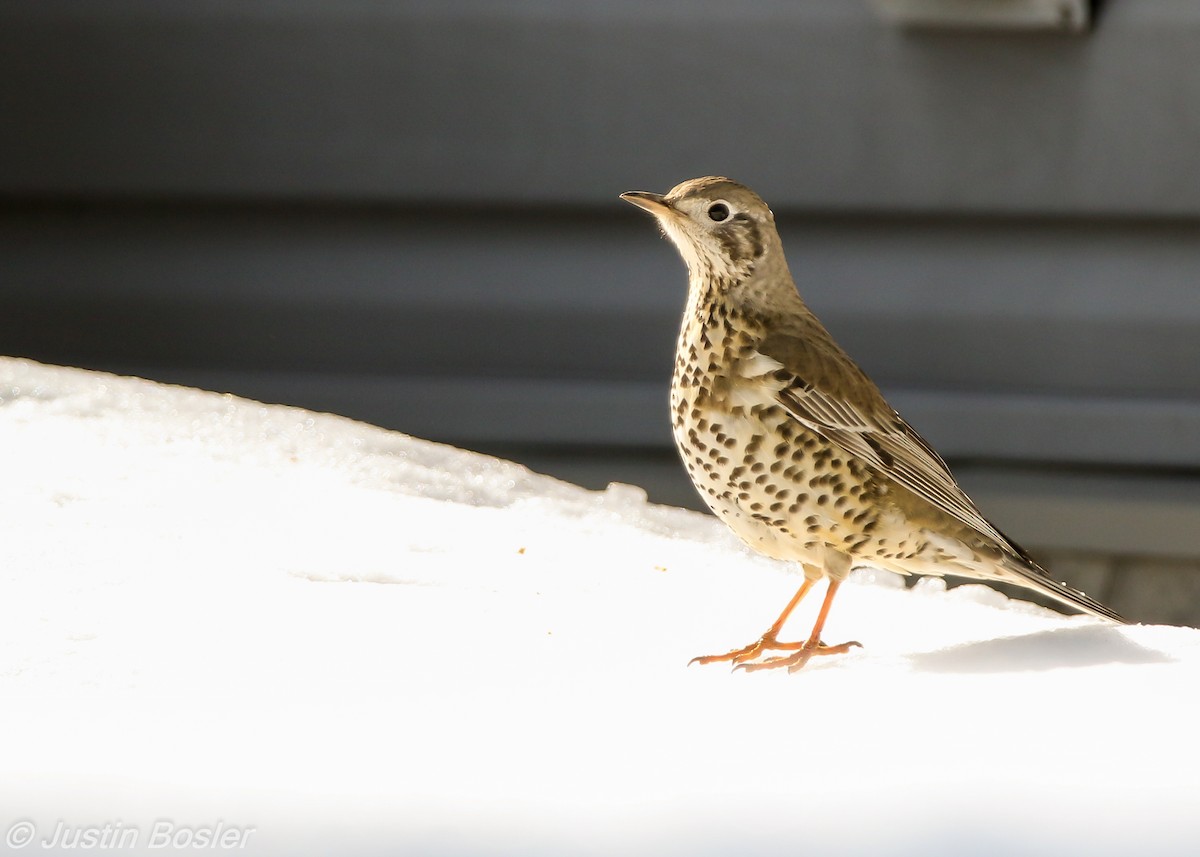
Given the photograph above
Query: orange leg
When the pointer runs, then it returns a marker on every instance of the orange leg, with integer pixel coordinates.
(768, 641)
(811, 647)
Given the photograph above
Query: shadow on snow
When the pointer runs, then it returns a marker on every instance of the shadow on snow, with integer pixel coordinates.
(1061, 648)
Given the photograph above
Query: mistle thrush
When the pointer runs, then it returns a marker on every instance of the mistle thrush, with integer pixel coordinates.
(791, 444)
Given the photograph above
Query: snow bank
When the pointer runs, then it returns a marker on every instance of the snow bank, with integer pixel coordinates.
(308, 635)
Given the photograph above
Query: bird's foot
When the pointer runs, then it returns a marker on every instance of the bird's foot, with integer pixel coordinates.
(797, 660)
(766, 643)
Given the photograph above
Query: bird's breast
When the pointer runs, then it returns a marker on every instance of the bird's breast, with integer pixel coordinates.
(749, 460)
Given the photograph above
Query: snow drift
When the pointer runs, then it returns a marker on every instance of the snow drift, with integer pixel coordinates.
(332, 638)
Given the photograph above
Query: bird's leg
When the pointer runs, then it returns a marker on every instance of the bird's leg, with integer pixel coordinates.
(812, 646)
(768, 641)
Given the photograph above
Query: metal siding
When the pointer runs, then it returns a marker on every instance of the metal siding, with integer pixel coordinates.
(561, 101)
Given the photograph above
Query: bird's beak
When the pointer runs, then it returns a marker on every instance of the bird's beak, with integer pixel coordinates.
(655, 203)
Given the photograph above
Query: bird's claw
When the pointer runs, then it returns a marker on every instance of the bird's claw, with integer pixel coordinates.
(748, 653)
(738, 656)
(798, 659)
(746, 657)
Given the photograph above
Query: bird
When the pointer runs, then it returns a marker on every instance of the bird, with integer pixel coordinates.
(792, 445)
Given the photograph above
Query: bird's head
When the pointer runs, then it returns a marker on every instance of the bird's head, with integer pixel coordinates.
(722, 229)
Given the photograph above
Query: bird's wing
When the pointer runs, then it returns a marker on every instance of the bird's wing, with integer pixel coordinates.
(890, 445)
(826, 392)
(823, 389)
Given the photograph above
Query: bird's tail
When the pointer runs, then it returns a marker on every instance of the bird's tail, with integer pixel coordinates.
(1032, 575)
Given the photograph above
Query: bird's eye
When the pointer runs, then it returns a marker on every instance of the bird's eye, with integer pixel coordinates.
(718, 211)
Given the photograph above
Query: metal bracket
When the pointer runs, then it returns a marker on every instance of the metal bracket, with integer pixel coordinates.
(1069, 16)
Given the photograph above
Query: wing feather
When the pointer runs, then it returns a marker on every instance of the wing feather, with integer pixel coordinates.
(891, 446)
(823, 389)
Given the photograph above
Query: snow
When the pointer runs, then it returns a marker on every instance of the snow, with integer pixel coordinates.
(331, 638)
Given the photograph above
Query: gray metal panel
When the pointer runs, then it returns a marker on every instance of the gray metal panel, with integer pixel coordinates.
(1070, 343)
(1095, 309)
(1120, 514)
(567, 101)
(1008, 15)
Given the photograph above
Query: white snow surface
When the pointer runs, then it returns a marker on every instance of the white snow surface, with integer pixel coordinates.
(355, 642)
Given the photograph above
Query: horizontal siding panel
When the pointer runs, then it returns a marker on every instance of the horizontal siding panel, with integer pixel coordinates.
(565, 102)
(1100, 310)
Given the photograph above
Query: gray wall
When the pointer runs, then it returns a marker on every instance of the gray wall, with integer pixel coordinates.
(406, 212)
